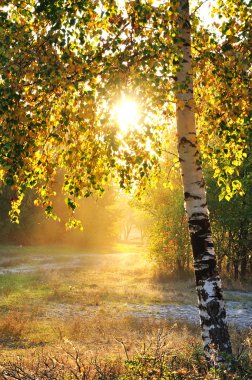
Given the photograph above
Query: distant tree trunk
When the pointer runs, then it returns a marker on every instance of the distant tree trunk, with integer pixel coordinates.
(243, 266)
(229, 250)
(236, 270)
(127, 229)
(208, 284)
(228, 265)
(187, 260)
(244, 247)
(250, 264)
(180, 266)
(219, 260)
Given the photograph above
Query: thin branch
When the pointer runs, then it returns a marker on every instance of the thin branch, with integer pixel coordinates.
(124, 347)
(167, 151)
(198, 7)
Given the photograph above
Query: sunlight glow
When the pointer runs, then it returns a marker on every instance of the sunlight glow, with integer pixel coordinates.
(127, 115)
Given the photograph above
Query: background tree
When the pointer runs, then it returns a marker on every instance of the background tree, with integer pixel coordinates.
(232, 221)
(223, 92)
(163, 206)
(100, 217)
(168, 239)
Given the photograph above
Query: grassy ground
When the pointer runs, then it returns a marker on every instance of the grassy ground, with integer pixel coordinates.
(47, 303)
(51, 296)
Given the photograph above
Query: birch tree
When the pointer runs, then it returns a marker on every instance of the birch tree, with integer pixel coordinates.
(208, 284)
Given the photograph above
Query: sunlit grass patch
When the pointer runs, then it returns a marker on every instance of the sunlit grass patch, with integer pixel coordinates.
(12, 285)
(22, 289)
(97, 279)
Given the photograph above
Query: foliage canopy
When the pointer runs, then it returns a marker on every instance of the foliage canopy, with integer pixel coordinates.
(63, 66)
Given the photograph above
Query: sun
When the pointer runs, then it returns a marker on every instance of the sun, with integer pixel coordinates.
(127, 115)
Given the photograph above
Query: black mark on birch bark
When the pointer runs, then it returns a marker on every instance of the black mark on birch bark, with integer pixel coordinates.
(197, 215)
(203, 294)
(181, 159)
(202, 183)
(188, 196)
(184, 141)
(202, 247)
(219, 335)
(213, 308)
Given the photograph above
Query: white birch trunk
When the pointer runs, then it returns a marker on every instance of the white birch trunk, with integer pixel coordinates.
(208, 284)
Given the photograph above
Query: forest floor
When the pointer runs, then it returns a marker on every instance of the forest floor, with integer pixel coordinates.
(108, 303)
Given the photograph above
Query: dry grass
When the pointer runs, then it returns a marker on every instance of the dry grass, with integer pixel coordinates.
(109, 340)
(87, 303)
(85, 299)
(12, 327)
(163, 355)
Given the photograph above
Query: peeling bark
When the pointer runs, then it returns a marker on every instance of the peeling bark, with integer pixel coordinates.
(208, 284)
